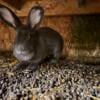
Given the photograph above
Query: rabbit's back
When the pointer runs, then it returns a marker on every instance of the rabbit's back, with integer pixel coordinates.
(50, 39)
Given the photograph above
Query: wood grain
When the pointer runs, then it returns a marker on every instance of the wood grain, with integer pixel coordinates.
(59, 7)
(15, 3)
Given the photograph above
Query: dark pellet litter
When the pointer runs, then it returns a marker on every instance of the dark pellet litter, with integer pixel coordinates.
(63, 81)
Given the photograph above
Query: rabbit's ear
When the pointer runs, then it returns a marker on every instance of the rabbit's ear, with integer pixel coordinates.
(35, 16)
(9, 17)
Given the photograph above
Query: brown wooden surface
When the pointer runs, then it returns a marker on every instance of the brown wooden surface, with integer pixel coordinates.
(60, 7)
(15, 3)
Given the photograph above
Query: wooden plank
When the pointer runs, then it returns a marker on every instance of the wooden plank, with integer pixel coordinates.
(61, 7)
(15, 3)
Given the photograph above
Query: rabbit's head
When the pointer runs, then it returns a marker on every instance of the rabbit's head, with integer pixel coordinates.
(23, 31)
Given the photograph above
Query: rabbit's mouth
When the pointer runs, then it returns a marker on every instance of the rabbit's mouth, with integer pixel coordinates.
(22, 54)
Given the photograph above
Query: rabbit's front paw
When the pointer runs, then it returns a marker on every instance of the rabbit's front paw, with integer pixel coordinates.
(22, 65)
(33, 67)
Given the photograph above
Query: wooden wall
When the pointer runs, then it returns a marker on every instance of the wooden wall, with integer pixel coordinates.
(55, 7)
(79, 26)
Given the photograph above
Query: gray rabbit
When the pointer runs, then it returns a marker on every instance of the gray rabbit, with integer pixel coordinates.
(32, 43)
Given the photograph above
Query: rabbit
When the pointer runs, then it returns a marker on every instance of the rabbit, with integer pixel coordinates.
(32, 44)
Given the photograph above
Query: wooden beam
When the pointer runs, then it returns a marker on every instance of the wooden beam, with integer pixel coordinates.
(61, 7)
(15, 3)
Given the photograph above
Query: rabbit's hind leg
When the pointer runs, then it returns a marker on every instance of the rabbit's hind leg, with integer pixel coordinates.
(56, 56)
